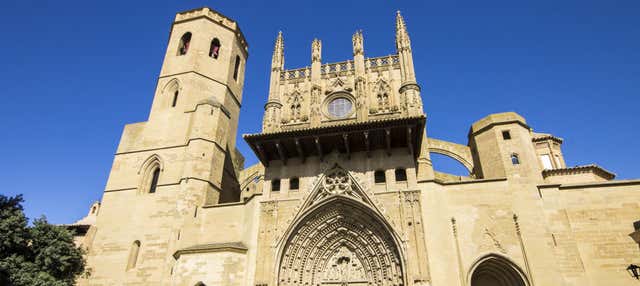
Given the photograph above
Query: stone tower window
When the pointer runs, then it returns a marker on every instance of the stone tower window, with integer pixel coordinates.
(185, 41)
(175, 99)
(294, 184)
(379, 177)
(275, 185)
(236, 68)
(514, 159)
(214, 49)
(154, 180)
(401, 175)
(133, 255)
(506, 135)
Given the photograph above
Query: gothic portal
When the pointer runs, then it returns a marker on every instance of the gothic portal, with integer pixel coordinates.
(340, 239)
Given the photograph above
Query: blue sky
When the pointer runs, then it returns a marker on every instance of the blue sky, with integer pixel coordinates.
(72, 73)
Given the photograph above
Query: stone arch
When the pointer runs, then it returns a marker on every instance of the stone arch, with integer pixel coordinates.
(171, 92)
(496, 270)
(458, 152)
(146, 170)
(340, 237)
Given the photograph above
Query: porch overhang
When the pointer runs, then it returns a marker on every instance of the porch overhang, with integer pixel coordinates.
(346, 138)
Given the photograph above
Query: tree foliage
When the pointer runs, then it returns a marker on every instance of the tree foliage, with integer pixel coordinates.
(42, 254)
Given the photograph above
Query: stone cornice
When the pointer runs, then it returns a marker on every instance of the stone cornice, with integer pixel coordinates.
(595, 169)
(590, 185)
(545, 137)
(238, 247)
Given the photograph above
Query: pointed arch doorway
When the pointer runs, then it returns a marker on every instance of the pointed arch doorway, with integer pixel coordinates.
(495, 270)
(340, 239)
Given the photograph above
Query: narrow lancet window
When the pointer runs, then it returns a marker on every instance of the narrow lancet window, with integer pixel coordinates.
(175, 99)
(154, 180)
(133, 255)
(214, 49)
(235, 69)
(514, 159)
(185, 41)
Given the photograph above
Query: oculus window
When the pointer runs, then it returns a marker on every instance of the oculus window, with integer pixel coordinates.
(340, 107)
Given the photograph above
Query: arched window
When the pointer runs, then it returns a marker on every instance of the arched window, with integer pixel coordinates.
(379, 177)
(185, 41)
(275, 185)
(133, 255)
(236, 68)
(200, 284)
(175, 99)
(514, 159)
(214, 49)
(154, 180)
(401, 175)
(294, 184)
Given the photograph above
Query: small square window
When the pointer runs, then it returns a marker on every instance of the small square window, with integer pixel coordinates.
(379, 177)
(294, 184)
(506, 135)
(275, 185)
(401, 175)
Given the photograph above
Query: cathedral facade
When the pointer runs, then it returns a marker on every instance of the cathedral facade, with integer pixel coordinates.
(345, 192)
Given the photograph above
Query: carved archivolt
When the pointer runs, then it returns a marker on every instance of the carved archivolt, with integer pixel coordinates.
(340, 239)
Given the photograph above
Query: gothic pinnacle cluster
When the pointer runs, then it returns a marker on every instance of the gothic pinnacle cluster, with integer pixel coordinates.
(355, 77)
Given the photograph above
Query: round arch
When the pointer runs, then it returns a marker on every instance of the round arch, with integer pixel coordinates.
(340, 240)
(496, 270)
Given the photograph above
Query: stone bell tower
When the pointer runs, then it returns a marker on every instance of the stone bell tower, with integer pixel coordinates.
(198, 97)
(181, 159)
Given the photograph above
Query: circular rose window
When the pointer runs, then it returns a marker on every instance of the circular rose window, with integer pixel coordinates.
(339, 107)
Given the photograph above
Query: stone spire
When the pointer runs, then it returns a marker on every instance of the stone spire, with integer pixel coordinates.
(277, 61)
(402, 36)
(272, 110)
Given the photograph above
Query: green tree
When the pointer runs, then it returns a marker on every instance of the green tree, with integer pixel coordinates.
(38, 255)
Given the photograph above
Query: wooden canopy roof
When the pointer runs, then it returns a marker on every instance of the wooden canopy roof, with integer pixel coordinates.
(405, 132)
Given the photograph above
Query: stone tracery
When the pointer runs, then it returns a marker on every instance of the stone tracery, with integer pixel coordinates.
(340, 241)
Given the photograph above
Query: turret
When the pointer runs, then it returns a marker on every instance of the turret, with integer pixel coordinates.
(501, 147)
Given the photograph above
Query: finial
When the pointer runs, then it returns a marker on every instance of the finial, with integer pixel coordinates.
(358, 48)
(316, 50)
(402, 36)
(277, 61)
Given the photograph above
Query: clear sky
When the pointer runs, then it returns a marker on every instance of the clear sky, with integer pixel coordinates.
(73, 73)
